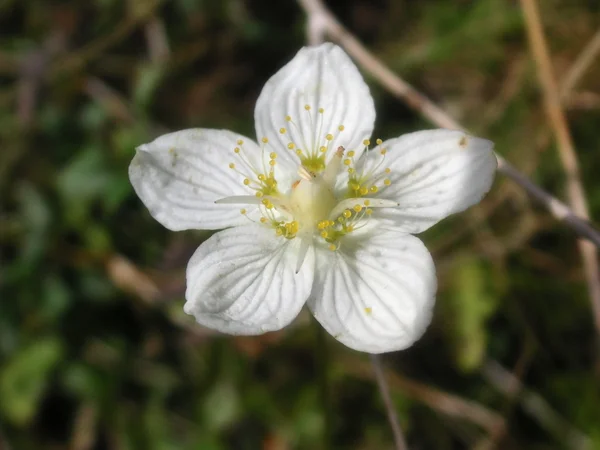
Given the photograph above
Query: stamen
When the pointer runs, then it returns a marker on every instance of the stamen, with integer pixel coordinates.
(351, 202)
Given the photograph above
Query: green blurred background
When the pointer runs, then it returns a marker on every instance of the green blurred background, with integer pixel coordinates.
(95, 351)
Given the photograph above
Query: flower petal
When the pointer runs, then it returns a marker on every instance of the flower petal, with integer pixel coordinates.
(180, 175)
(243, 280)
(320, 77)
(433, 174)
(375, 294)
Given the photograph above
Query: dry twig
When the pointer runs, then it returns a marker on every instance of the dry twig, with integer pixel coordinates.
(566, 149)
(535, 405)
(580, 66)
(439, 401)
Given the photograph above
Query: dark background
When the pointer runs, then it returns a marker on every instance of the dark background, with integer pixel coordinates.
(95, 351)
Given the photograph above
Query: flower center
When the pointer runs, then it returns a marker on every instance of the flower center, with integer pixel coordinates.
(311, 199)
(311, 208)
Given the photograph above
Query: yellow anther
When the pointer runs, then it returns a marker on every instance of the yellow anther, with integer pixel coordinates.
(383, 151)
(321, 110)
(347, 213)
(263, 220)
(259, 194)
(366, 142)
(347, 161)
(291, 146)
(351, 153)
(341, 219)
(266, 201)
(307, 107)
(331, 223)
(282, 130)
(240, 142)
(341, 128)
(379, 142)
(243, 211)
(261, 177)
(332, 247)
(246, 181)
(387, 181)
(374, 189)
(273, 155)
(388, 170)
(322, 149)
(288, 119)
(298, 152)
(236, 150)
(329, 137)
(272, 162)
(367, 202)
(357, 208)
(363, 190)
(354, 186)
(265, 140)
(324, 234)
(231, 165)
(350, 170)
(369, 211)
(291, 228)
(278, 231)
(349, 229)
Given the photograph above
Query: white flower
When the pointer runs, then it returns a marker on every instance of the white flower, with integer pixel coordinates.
(323, 221)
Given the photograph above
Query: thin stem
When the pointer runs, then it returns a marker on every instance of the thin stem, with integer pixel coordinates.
(389, 405)
(322, 352)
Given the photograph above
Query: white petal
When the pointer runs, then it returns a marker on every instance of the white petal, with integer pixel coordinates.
(180, 175)
(433, 174)
(243, 280)
(375, 294)
(320, 77)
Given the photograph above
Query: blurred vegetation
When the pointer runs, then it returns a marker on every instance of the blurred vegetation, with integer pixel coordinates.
(95, 352)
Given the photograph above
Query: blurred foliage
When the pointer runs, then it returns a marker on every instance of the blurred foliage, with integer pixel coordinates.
(95, 352)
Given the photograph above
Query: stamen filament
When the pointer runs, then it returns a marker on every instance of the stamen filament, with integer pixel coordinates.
(350, 202)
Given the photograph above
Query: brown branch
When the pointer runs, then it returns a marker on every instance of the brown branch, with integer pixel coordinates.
(438, 400)
(389, 404)
(405, 92)
(581, 65)
(157, 42)
(566, 148)
(535, 405)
